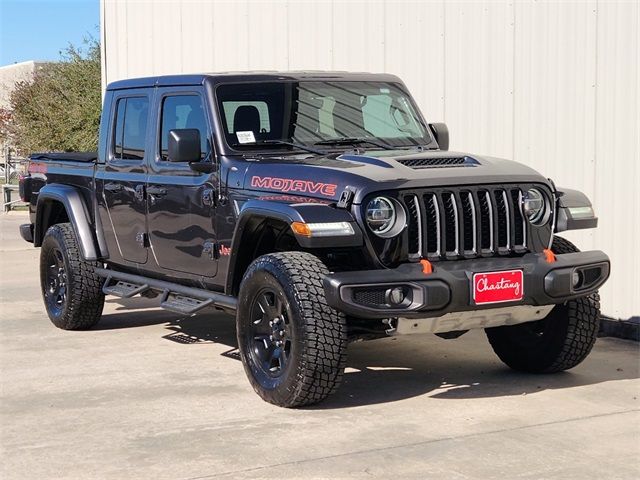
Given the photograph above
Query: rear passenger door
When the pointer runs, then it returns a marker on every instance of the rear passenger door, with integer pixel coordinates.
(120, 184)
(180, 201)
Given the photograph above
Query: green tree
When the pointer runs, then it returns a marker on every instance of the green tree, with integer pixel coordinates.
(59, 109)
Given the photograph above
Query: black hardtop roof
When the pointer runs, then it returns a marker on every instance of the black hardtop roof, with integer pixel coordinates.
(236, 77)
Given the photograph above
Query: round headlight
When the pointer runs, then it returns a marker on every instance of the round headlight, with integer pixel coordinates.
(535, 207)
(385, 217)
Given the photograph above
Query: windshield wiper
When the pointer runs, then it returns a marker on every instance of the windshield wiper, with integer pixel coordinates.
(282, 142)
(354, 141)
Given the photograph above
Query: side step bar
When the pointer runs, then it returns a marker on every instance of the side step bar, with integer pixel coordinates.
(175, 297)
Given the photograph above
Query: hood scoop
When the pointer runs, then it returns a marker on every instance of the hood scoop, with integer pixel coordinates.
(438, 162)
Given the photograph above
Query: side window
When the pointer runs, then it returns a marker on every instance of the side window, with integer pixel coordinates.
(130, 131)
(183, 111)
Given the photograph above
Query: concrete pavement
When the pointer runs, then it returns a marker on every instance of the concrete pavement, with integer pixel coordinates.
(147, 394)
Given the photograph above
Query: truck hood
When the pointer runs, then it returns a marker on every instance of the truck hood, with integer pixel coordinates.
(325, 177)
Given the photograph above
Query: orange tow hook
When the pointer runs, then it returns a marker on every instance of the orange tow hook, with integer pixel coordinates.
(427, 268)
(549, 255)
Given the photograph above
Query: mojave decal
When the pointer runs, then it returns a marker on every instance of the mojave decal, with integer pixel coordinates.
(293, 185)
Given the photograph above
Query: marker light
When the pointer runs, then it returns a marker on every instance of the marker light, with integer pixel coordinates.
(330, 229)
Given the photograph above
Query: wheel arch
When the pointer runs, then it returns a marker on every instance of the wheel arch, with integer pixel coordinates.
(259, 220)
(61, 203)
(574, 211)
(252, 238)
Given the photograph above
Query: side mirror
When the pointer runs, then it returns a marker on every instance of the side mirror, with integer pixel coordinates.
(184, 145)
(441, 132)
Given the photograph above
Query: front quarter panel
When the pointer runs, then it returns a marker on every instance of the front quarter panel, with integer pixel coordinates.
(255, 211)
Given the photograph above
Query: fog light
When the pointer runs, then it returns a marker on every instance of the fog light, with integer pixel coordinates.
(576, 279)
(395, 296)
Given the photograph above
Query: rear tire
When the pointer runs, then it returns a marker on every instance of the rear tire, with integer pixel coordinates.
(558, 342)
(292, 344)
(71, 290)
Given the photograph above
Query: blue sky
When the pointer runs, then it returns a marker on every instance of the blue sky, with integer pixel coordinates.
(40, 29)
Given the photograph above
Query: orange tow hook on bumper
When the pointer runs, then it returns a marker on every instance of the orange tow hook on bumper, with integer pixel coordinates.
(549, 255)
(427, 268)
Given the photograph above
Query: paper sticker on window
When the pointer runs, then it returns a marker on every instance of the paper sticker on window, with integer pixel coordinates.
(246, 137)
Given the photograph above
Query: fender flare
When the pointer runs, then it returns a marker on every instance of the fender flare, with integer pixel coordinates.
(78, 214)
(573, 211)
(254, 212)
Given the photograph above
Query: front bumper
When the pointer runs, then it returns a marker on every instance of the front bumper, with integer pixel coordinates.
(448, 288)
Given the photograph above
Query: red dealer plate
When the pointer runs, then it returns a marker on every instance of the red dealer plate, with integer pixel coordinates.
(498, 287)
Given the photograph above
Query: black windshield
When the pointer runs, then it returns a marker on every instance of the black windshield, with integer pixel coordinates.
(310, 112)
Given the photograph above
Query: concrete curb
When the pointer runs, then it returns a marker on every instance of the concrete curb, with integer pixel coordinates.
(626, 329)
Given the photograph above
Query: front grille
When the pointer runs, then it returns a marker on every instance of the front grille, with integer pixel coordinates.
(465, 223)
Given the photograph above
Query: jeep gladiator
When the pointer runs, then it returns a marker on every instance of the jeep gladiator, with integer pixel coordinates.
(318, 208)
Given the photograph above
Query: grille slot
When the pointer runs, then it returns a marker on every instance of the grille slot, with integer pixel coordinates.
(465, 223)
(414, 230)
(486, 221)
(502, 216)
(519, 225)
(469, 231)
(451, 226)
(432, 224)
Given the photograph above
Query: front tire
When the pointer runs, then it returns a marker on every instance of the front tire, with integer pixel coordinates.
(292, 344)
(558, 342)
(71, 290)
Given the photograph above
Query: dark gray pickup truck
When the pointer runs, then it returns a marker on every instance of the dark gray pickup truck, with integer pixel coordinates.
(319, 208)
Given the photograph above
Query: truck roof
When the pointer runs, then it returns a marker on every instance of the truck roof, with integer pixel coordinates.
(255, 76)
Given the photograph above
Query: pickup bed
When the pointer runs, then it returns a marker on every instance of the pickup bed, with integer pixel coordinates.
(318, 208)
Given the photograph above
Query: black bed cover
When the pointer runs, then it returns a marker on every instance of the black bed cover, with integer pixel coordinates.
(69, 156)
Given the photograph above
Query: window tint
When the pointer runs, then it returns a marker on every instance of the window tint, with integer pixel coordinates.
(313, 111)
(233, 117)
(384, 119)
(131, 128)
(183, 111)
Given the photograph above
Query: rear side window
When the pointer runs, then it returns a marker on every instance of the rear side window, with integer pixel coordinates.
(183, 111)
(132, 115)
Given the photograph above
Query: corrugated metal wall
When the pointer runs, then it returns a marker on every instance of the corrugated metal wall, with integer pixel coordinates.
(550, 84)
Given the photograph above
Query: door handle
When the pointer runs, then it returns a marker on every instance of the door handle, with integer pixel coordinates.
(156, 191)
(113, 187)
(209, 197)
(140, 193)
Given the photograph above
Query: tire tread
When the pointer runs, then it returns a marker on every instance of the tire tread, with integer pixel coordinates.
(578, 334)
(85, 296)
(325, 331)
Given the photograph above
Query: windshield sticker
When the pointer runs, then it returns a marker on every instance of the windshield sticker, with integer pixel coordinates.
(290, 185)
(246, 137)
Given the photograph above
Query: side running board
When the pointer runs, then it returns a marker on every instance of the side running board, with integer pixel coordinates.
(175, 297)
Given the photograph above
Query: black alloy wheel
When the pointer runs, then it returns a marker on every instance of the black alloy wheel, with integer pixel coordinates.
(271, 333)
(71, 289)
(292, 344)
(55, 291)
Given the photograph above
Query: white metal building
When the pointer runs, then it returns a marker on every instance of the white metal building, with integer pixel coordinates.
(553, 84)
